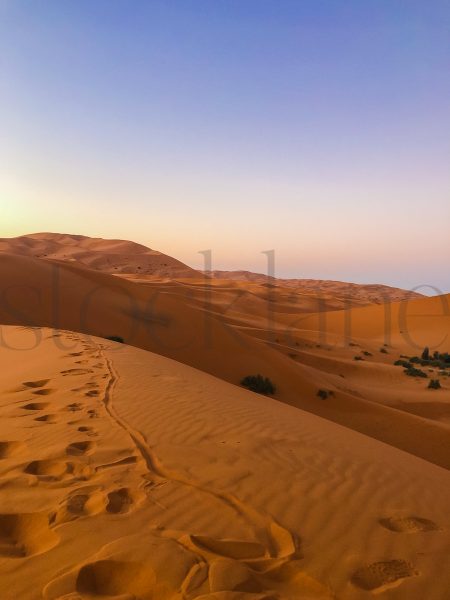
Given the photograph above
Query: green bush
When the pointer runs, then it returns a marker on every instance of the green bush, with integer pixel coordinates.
(426, 353)
(413, 372)
(434, 384)
(258, 384)
(403, 363)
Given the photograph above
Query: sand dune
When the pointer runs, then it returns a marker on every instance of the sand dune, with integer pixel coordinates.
(134, 476)
(137, 262)
(195, 324)
(362, 293)
(108, 256)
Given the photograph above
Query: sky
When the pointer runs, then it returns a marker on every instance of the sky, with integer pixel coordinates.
(319, 129)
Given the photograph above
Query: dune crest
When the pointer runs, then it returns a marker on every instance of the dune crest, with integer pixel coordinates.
(232, 332)
(108, 256)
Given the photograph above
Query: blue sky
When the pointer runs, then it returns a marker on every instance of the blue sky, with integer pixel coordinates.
(317, 128)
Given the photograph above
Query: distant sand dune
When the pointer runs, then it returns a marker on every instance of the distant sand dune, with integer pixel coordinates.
(109, 256)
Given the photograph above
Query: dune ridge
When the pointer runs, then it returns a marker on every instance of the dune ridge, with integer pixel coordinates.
(365, 293)
(207, 328)
(137, 262)
(109, 256)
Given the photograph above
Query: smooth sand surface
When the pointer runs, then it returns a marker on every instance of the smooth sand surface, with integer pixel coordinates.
(127, 475)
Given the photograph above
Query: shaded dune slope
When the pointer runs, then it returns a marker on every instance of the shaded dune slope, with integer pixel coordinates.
(179, 322)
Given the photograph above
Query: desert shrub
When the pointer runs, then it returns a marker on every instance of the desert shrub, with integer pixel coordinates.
(413, 372)
(322, 394)
(434, 384)
(384, 351)
(403, 363)
(115, 338)
(367, 353)
(258, 384)
(426, 353)
(414, 360)
(437, 359)
(358, 358)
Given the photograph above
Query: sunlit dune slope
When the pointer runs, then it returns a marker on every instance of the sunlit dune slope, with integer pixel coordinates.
(125, 474)
(135, 261)
(186, 323)
(108, 256)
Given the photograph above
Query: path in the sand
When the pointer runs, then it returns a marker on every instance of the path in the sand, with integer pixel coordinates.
(90, 487)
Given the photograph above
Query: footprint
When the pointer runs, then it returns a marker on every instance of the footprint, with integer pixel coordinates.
(408, 524)
(87, 430)
(25, 534)
(93, 414)
(74, 406)
(44, 392)
(47, 419)
(382, 575)
(8, 449)
(36, 406)
(119, 501)
(48, 470)
(80, 448)
(226, 575)
(75, 504)
(75, 372)
(92, 393)
(142, 572)
(113, 577)
(36, 384)
(85, 501)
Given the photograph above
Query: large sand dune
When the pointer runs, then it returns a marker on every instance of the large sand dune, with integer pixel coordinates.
(206, 327)
(108, 256)
(135, 261)
(125, 475)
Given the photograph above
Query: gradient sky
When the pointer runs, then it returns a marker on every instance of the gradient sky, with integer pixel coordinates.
(317, 128)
